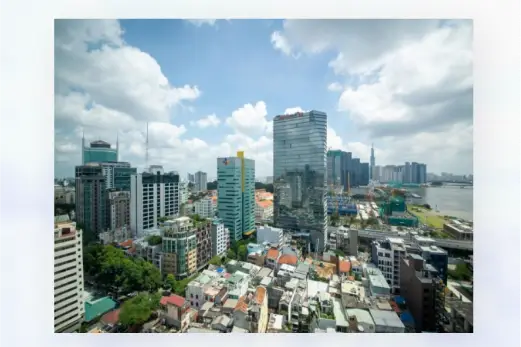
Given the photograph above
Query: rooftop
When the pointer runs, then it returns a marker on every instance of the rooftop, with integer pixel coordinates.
(386, 318)
(260, 294)
(96, 308)
(111, 317)
(344, 266)
(173, 299)
(362, 316)
(275, 322)
(288, 259)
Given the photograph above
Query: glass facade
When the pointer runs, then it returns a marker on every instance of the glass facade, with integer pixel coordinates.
(91, 198)
(99, 155)
(122, 177)
(300, 174)
(236, 195)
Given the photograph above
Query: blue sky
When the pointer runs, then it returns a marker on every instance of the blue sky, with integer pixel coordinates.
(234, 63)
(208, 88)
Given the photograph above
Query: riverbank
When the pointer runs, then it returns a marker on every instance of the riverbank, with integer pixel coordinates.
(426, 216)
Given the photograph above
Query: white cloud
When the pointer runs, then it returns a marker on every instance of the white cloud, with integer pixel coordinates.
(403, 79)
(334, 87)
(201, 22)
(106, 88)
(206, 122)
(249, 119)
(293, 110)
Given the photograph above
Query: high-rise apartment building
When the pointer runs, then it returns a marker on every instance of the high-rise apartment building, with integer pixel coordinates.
(300, 174)
(117, 175)
(179, 243)
(220, 238)
(91, 198)
(69, 306)
(183, 192)
(204, 207)
(386, 255)
(98, 152)
(153, 194)
(190, 177)
(201, 179)
(118, 209)
(236, 195)
(203, 235)
(423, 290)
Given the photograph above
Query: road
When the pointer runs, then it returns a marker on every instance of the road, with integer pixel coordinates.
(443, 243)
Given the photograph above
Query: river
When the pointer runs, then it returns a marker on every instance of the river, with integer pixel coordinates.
(450, 200)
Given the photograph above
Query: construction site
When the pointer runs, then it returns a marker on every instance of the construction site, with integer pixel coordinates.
(385, 203)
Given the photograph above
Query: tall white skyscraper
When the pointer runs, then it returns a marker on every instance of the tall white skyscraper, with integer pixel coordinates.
(153, 194)
(69, 307)
(201, 179)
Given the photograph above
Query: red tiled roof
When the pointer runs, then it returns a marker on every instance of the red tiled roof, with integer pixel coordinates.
(288, 259)
(126, 244)
(272, 253)
(260, 294)
(173, 299)
(241, 304)
(344, 266)
(111, 317)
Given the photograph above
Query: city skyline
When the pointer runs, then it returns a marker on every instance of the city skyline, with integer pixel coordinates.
(200, 108)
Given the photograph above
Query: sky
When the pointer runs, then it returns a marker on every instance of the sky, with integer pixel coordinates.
(208, 88)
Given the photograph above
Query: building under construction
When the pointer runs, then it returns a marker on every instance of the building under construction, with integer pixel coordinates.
(394, 211)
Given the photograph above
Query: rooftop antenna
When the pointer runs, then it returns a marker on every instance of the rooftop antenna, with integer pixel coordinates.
(146, 150)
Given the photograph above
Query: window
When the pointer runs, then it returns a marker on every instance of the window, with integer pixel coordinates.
(192, 296)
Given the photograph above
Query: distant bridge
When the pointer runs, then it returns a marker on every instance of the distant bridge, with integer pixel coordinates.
(443, 243)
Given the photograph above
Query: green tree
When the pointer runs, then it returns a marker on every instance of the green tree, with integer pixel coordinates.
(339, 253)
(242, 252)
(170, 282)
(154, 240)
(217, 260)
(138, 310)
(231, 254)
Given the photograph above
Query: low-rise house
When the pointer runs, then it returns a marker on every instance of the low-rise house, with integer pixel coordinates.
(387, 321)
(194, 292)
(217, 292)
(237, 285)
(176, 312)
(271, 258)
(251, 311)
(378, 285)
(276, 324)
(353, 295)
(360, 321)
(222, 324)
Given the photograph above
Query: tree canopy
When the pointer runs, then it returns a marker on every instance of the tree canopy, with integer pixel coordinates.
(242, 252)
(137, 311)
(154, 240)
(231, 254)
(115, 272)
(217, 260)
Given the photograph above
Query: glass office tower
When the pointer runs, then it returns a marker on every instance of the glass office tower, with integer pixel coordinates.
(236, 195)
(98, 152)
(300, 175)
